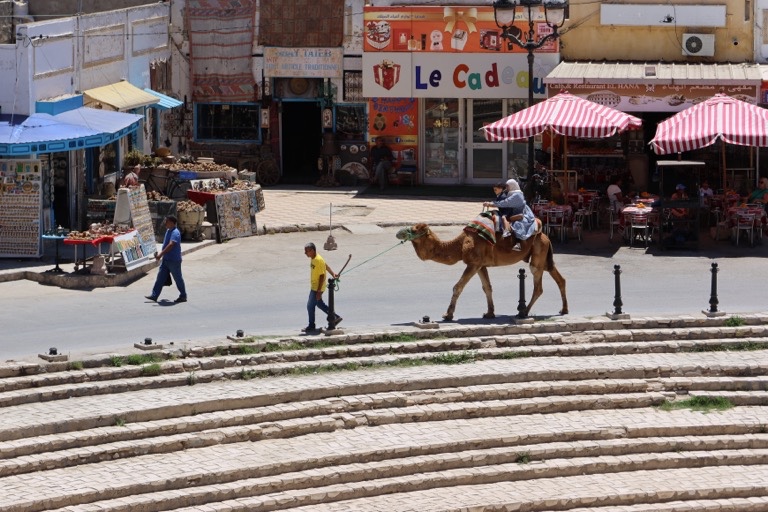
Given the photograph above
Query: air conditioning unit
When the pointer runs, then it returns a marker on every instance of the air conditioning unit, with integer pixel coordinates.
(699, 45)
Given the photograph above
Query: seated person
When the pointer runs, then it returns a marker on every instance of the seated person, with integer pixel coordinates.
(760, 194)
(131, 178)
(522, 221)
(679, 195)
(705, 191)
(615, 198)
(502, 222)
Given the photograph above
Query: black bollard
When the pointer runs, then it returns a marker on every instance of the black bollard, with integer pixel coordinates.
(617, 300)
(713, 302)
(331, 311)
(522, 309)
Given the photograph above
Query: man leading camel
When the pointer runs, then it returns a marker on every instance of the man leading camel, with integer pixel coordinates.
(522, 221)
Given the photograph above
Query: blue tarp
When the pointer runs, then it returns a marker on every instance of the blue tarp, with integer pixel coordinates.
(79, 128)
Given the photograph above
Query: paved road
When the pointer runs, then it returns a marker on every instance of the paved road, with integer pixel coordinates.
(259, 284)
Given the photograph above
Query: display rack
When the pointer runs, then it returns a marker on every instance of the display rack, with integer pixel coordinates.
(20, 208)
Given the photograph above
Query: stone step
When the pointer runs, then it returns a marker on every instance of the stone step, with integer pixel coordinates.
(375, 479)
(231, 462)
(753, 504)
(563, 493)
(279, 408)
(82, 413)
(22, 375)
(44, 457)
(172, 378)
(714, 383)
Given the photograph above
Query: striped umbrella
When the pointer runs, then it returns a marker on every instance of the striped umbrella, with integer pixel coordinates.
(720, 117)
(564, 114)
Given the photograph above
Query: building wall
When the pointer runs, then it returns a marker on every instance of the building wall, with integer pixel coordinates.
(586, 38)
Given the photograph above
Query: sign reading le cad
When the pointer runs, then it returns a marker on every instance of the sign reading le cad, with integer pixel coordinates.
(303, 62)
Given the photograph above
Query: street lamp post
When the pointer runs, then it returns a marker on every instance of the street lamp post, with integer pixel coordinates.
(505, 12)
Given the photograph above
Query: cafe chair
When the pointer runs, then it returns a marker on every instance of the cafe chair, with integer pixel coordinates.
(639, 227)
(556, 223)
(593, 212)
(578, 222)
(614, 223)
(745, 222)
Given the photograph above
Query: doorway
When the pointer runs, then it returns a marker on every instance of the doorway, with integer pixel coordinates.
(301, 139)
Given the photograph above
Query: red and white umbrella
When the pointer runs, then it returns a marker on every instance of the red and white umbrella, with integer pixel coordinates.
(564, 114)
(720, 117)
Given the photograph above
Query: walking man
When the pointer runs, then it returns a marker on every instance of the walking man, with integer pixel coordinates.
(317, 284)
(171, 264)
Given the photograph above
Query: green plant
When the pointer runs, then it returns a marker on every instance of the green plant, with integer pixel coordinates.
(191, 378)
(523, 458)
(248, 374)
(453, 358)
(137, 359)
(116, 360)
(734, 321)
(133, 158)
(515, 354)
(119, 422)
(76, 365)
(151, 370)
(244, 349)
(745, 346)
(698, 403)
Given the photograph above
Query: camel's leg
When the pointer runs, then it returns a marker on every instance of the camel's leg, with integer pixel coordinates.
(469, 272)
(488, 289)
(560, 280)
(538, 289)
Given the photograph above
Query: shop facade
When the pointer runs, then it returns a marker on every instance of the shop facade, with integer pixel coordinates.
(462, 75)
(57, 62)
(653, 92)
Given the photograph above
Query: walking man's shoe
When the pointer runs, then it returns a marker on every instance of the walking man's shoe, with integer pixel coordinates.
(309, 328)
(338, 320)
(151, 297)
(180, 299)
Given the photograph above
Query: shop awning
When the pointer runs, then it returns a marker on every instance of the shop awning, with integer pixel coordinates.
(80, 128)
(119, 96)
(666, 73)
(166, 102)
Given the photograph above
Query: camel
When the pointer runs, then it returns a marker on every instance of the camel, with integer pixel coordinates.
(478, 254)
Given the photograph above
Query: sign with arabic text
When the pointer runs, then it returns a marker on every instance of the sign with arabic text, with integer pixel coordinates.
(650, 97)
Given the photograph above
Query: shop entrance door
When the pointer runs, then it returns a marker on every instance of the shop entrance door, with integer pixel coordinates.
(491, 162)
(301, 137)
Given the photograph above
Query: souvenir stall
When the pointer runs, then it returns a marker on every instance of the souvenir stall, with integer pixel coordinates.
(231, 209)
(20, 208)
(128, 242)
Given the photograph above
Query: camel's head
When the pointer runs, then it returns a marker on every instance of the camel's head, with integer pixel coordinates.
(412, 233)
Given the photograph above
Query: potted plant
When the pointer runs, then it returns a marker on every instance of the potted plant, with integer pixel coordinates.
(132, 158)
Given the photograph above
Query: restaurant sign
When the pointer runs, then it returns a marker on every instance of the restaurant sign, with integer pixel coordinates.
(649, 97)
(303, 62)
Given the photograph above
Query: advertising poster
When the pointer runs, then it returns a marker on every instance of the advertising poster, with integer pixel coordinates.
(445, 29)
(395, 119)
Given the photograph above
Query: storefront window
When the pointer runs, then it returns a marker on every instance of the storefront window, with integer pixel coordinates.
(227, 122)
(351, 122)
(441, 130)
